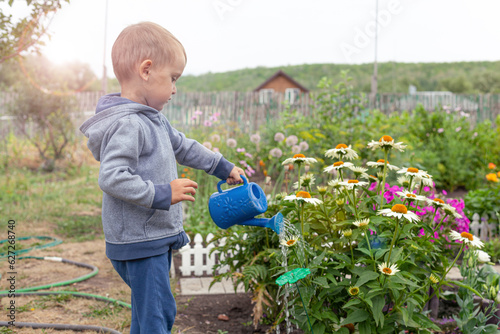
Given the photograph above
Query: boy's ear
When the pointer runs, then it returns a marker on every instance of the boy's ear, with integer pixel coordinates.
(145, 69)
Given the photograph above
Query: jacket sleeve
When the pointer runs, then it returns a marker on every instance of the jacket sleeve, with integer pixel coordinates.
(189, 152)
(122, 145)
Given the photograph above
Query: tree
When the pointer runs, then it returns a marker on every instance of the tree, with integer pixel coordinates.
(26, 33)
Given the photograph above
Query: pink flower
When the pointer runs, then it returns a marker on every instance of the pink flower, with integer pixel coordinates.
(248, 155)
(279, 137)
(440, 130)
(239, 150)
(295, 149)
(207, 123)
(250, 171)
(198, 112)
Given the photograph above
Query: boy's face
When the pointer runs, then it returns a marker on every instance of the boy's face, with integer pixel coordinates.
(161, 83)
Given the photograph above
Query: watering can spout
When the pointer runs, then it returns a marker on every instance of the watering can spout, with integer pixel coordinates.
(275, 223)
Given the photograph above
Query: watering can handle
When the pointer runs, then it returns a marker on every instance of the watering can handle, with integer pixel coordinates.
(224, 181)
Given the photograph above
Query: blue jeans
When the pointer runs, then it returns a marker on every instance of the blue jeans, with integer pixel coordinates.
(153, 304)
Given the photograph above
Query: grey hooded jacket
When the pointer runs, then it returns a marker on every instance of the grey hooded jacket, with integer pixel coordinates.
(138, 150)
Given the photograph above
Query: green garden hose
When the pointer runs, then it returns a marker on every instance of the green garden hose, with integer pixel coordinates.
(54, 242)
(34, 290)
(94, 272)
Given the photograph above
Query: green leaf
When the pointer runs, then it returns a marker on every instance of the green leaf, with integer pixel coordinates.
(319, 328)
(460, 284)
(378, 305)
(366, 276)
(356, 317)
(321, 281)
(365, 327)
(379, 253)
(351, 302)
(424, 322)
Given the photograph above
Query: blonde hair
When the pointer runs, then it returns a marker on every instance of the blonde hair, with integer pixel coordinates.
(141, 41)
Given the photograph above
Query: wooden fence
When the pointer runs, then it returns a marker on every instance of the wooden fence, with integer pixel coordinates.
(246, 110)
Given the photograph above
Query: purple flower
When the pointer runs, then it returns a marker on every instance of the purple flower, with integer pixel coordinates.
(255, 138)
(279, 137)
(292, 140)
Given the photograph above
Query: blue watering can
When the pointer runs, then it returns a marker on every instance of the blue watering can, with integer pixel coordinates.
(239, 206)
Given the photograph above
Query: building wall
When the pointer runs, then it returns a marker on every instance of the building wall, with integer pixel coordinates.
(280, 84)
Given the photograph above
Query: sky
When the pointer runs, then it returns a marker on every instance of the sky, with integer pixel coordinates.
(226, 35)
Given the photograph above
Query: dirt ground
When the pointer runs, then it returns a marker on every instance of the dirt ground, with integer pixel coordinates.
(196, 314)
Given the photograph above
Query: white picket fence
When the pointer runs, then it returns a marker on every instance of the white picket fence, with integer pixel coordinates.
(485, 227)
(197, 260)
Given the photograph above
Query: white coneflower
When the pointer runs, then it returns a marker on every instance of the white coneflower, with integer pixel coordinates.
(412, 172)
(380, 164)
(299, 159)
(357, 170)
(399, 211)
(436, 202)
(369, 177)
(387, 143)
(386, 269)
(290, 241)
(335, 183)
(349, 184)
(467, 238)
(303, 196)
(337, 166)
(450, 210)
(342, 151)
(411, 196)
(305, 181)
(404, 181)
(363, 223)
(482, 256)
(425, 179)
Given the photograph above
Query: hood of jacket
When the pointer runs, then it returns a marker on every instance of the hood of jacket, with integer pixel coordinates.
(109, 109)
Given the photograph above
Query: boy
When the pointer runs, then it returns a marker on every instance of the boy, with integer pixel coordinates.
(138, 149)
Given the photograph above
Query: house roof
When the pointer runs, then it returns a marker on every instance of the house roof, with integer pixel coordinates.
(277, 74)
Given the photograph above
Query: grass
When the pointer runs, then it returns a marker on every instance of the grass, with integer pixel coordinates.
(68, 199)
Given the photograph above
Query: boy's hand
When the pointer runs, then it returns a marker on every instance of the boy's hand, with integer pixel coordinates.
(181, 188)
(234, 176)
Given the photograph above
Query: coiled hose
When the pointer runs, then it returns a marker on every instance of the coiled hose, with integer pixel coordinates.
(30, 291)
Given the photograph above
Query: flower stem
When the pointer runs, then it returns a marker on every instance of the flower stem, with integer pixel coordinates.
(304, 305)
(438, 225)
(446, 273)
(370, 249)
(393, 241)
(386, 153)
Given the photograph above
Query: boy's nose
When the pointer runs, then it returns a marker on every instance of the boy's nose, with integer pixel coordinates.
(174, 89)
